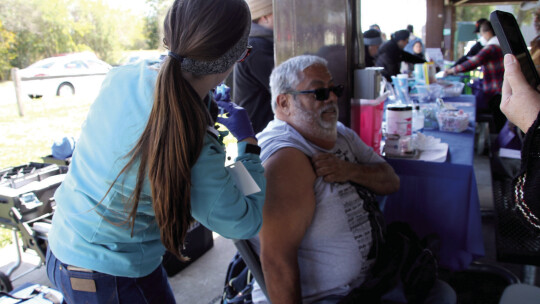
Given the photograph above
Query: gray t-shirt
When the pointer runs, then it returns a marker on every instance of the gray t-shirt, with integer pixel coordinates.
(333, 254)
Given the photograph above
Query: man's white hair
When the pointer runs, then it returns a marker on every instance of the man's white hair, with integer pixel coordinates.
(286, 76)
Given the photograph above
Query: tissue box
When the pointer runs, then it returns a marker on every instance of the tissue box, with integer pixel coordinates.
(453, 120)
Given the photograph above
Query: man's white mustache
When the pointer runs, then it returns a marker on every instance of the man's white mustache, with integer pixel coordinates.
(329, 107)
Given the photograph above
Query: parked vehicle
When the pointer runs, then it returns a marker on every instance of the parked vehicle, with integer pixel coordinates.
(136, 56)
(64, 75)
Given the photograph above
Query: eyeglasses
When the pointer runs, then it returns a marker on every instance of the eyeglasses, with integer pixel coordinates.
(245, 54)
(322, 94)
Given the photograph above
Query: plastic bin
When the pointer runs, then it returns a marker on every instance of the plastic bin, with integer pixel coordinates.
(451, 88)
(428, 93)
(453, 121)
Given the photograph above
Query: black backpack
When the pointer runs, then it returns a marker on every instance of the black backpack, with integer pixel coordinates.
(238, 282)
(400, 256)
(404, 257)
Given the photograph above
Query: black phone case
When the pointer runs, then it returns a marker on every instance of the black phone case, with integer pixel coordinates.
(502, 22)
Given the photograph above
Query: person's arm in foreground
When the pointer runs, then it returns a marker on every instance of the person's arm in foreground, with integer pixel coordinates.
(287, 213)
(473, 62)
(377, 177)
(410, 58)
(520, 102)
(216, 200)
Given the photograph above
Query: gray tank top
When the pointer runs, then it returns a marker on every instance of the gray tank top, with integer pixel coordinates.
(333, 254)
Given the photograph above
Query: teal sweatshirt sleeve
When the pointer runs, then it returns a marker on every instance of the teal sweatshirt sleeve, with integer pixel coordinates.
(216, 202)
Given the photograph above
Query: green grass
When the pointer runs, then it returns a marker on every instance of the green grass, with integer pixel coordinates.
(5, 237)
(28, 138)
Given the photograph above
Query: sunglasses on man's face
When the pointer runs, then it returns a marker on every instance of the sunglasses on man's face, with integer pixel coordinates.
(322, 94)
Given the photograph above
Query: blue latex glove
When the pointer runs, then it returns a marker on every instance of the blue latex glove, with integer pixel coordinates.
(222, 92)
(237, 120)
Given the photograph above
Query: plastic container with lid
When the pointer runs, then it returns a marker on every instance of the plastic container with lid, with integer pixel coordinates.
(453, 120)
(399, 119)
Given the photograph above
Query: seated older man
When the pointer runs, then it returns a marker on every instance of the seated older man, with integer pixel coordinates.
(316, 238)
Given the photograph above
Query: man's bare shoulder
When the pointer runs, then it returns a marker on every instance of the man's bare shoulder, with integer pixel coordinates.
(289, 162)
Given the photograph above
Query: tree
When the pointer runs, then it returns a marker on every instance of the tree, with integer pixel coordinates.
(473, 12)
(153, 31)
(7, 44)
(34, 29)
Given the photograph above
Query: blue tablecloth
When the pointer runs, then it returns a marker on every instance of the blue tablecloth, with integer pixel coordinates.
(443, 198)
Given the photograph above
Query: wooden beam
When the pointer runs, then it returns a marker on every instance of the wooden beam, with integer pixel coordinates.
(449, 30)
(434, 23)
(457, 3)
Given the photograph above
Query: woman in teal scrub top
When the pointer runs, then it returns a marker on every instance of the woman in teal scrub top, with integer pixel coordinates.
(149, 161)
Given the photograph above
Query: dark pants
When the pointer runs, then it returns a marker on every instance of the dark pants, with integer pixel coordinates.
(153, 288)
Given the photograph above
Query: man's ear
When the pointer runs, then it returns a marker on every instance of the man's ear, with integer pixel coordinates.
(283, 104)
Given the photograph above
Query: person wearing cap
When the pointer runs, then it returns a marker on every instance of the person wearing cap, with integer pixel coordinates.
(372, 41)
(490, 58)
(378, 28)
(477, 46)
(412, 36)
(391, 54)
(251, 78)
(149, 162)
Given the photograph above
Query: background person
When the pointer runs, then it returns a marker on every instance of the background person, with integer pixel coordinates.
(391, 54)
(149, 161)
(410, 28)
(477, 46)
(414, 47)
(521, 104)
(490, 58)
(251, 78)
(378, 28)
(372, 42)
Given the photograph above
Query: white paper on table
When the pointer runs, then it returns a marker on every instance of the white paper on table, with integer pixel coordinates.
(243, 180)
(436, 153)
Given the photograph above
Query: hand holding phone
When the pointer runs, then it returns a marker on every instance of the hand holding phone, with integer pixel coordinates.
(511, 40)
(519, 103)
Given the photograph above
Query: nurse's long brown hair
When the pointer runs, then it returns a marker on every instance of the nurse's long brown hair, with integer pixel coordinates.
(173, 138)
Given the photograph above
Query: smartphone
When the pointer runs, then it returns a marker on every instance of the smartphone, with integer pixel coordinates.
(511, 40)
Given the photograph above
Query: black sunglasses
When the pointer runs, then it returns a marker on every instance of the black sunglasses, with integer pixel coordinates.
(322, 94)
(245, 54)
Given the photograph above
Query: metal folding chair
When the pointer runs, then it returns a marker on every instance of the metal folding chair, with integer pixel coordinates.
(252, 261)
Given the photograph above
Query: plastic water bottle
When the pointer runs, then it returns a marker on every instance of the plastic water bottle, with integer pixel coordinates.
(417, 119)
